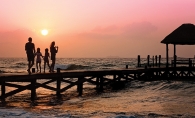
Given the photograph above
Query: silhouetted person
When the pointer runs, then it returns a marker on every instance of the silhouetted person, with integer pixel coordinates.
(38, 59)
(30, 50)
(53, 50)
(46, 59)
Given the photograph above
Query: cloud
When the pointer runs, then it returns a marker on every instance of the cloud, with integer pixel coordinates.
(12, 43)
(107, 30)
(137, 30)
(19, 34)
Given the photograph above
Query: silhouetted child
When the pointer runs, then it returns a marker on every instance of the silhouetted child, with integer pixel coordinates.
(46, 59)
(38, 54)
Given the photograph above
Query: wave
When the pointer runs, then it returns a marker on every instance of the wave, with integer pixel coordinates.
(71, 67)
(163, 85)
(1, 71)
(13, 71)
(15, 66)
(21, 63)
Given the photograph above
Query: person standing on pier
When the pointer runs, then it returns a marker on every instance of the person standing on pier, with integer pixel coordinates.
(46, 59)
(53, 50)
(38, 54)
(30, 51)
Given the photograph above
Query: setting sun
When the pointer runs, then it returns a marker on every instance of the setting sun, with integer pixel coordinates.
(44, 32)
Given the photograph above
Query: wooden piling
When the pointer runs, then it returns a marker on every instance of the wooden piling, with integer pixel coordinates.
(58, 86)
(148, 60)
(138, 61)
(97, 82)
(159, 61)
(58, 70)
(114, 77)
(33, 70)
(156, 58)
(33, 89)
(126, 66)
(190, 62)
(3, 91)
(58, 93)
(101, 83)
(153, 61)
(175, 58)
(80, 86)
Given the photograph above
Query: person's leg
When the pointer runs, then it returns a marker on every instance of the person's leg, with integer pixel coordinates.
(37, 66)
(47, 62)
(44, 66)
(31, 61)
(49, 66)
(40, 66)
(29, 64)
(28, 61)
(52, 65)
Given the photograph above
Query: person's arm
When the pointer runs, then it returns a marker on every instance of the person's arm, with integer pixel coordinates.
(34, 48)
(57, 49)
(25, 47)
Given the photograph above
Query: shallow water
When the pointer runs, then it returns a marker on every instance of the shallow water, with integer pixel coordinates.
(162, 99)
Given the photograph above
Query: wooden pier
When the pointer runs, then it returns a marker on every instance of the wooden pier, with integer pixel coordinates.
(98, 78)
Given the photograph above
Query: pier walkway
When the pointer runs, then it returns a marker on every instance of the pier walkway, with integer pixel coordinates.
(98, 78)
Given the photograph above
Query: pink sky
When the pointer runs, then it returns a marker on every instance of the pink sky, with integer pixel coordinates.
(91, 28)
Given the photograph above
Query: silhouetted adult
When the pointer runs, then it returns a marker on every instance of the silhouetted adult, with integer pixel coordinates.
(30, 50)
(53, 50)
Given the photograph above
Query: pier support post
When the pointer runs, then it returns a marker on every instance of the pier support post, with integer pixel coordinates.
(190, 65)
(114, 77)
(148, 60)
(101, 83)
(33, 89)
(156, 59)
(138, 61)
(126, 66)
(135, 76)
(167, 55)
(58, 93)
(190, 62)
(97, 82)
(3, 91)
(58, 70)
(33, 70)
(153, 61)
(159, 61)
(80, 86)
(175, 58)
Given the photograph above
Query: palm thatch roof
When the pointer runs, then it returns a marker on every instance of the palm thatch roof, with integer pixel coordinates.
(183, 35)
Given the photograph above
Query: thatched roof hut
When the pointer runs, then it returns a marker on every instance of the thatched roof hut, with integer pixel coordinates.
(183, 35)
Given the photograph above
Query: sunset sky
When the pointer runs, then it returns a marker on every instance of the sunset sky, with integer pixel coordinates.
(94, 28)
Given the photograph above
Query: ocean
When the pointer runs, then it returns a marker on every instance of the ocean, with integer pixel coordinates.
(19, 65)
(138, 99)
